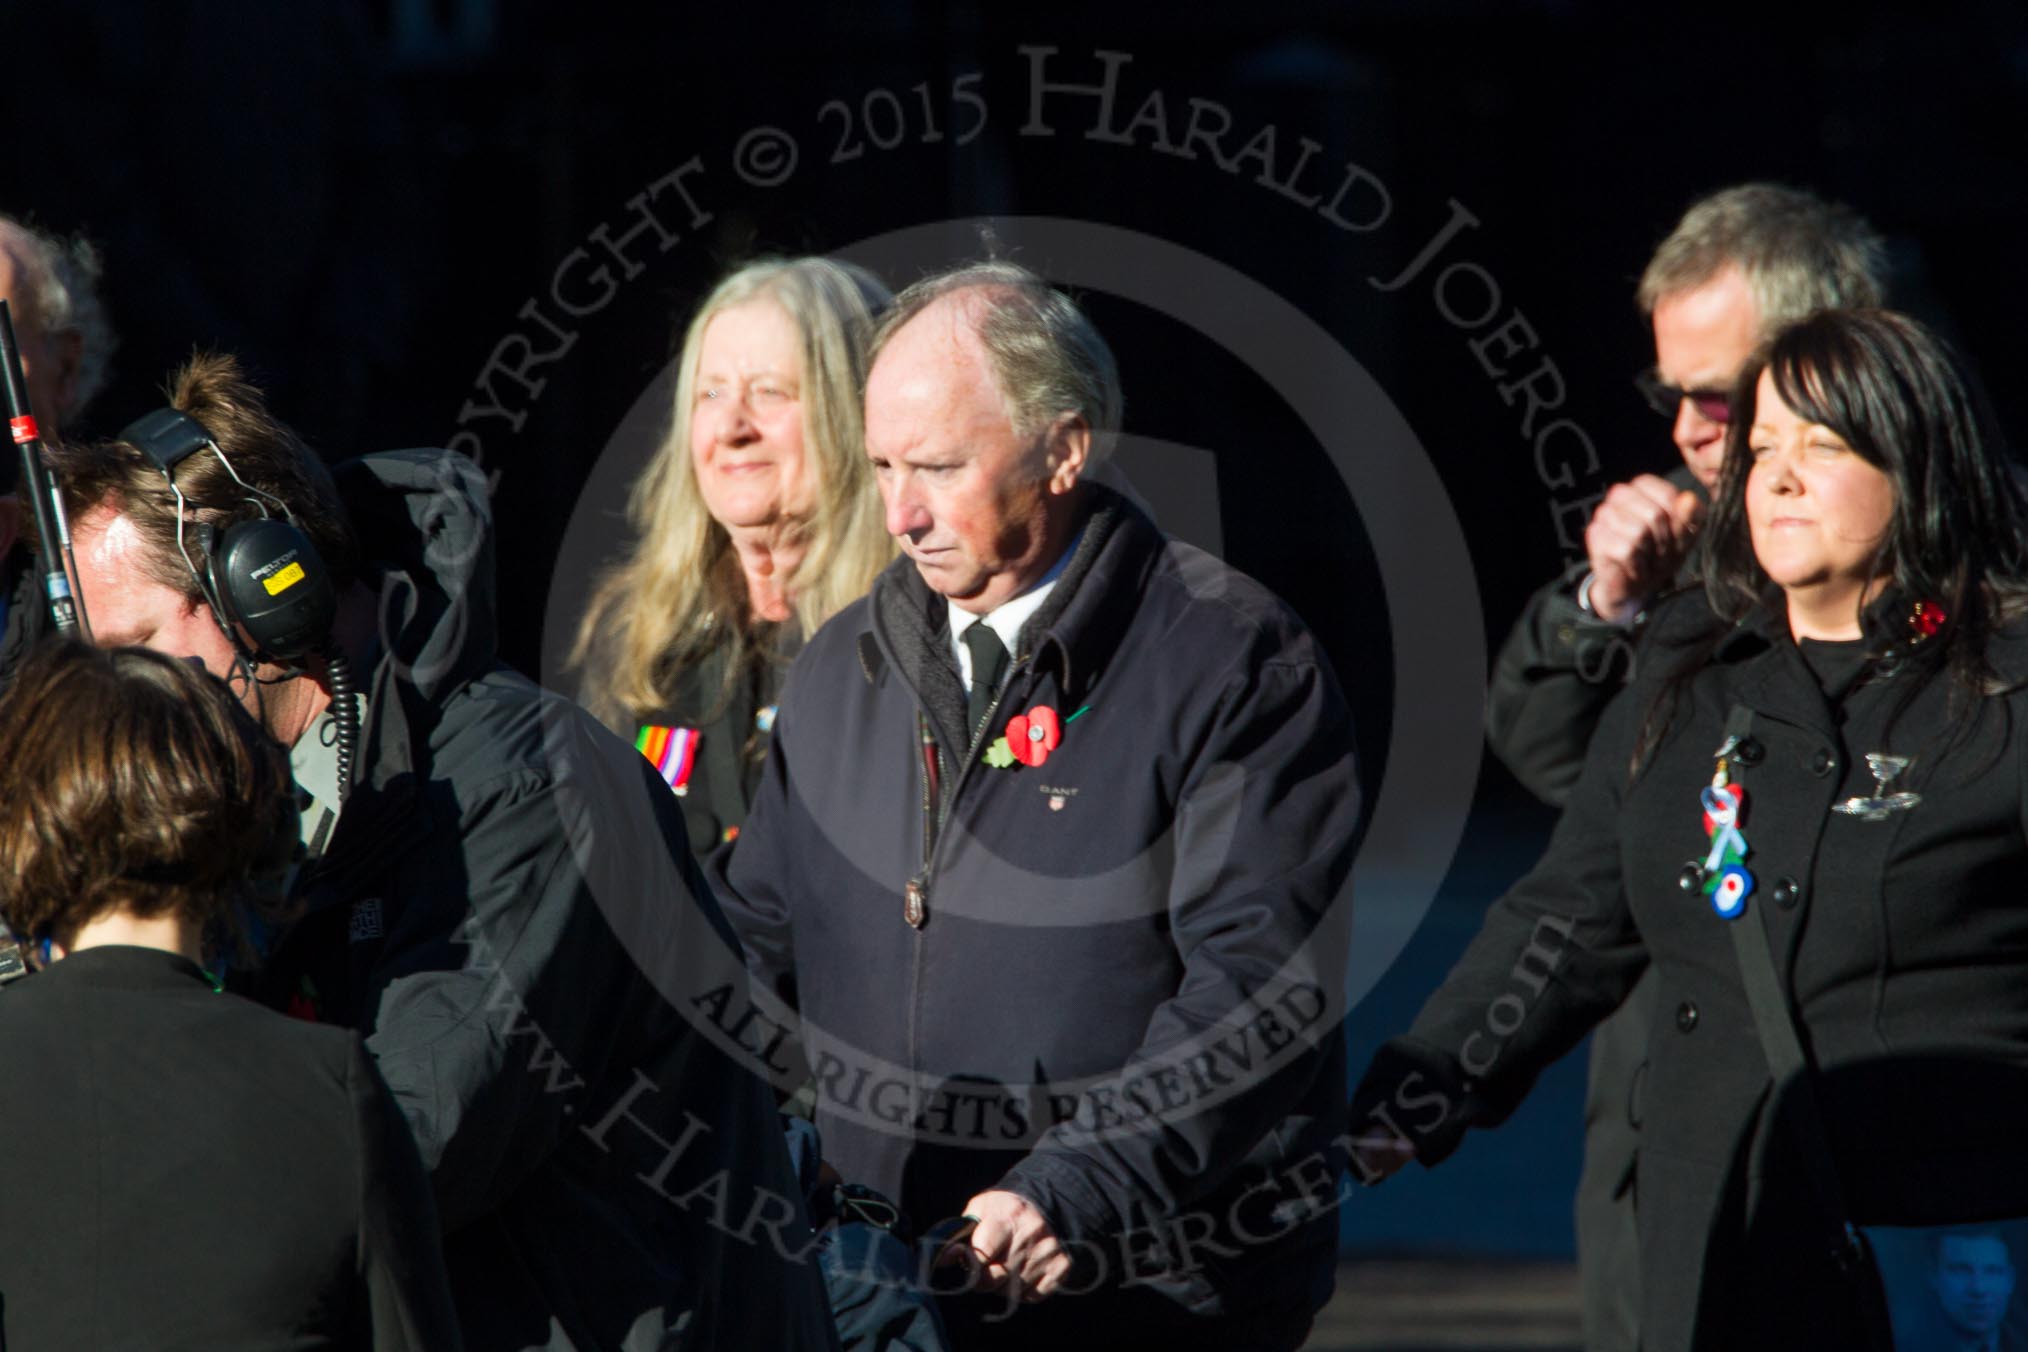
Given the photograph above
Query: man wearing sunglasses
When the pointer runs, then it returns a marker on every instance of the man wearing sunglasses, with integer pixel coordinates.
(1740, 264)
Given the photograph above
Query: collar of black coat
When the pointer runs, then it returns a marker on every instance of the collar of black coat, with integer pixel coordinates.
(1075, 630)
(1785, 687)
(1884, 624)
(127, 967)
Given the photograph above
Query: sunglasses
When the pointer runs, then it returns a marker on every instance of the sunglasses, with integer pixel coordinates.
(1665, 399)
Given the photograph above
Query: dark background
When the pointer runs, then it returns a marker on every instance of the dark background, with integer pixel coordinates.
(358, 198)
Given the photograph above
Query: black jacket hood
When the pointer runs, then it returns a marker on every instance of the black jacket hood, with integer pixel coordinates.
(426, 530)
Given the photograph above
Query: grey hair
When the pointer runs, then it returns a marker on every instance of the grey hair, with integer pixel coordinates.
(1047, 357)
(63, 275)
(1799, 253)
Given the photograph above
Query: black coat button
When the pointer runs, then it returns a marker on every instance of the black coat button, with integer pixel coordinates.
(1749, 752)
(1691, 879)
(1686, 1017)
(1823, 763)
(1787, 893)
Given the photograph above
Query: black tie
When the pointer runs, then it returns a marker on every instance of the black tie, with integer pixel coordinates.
(989, 660)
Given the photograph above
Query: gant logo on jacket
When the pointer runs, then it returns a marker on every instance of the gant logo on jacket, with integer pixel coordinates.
(1059, 796)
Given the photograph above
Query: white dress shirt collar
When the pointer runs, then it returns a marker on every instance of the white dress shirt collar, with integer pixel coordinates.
(1006, 619)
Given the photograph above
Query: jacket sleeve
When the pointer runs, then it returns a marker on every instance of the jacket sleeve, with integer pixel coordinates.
(1552, 680)
(504, 992)
(401, 1265)
(1265, 831)
(1556, 954)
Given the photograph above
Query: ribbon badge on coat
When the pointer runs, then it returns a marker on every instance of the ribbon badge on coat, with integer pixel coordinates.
(672, 751)
(1722, 875)
(1727, 880)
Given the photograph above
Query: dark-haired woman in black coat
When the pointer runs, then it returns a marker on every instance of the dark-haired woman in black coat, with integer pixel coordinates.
(1846, 694)
(186, 1170)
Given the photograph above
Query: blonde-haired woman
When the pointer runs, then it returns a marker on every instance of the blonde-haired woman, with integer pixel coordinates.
(757, 520)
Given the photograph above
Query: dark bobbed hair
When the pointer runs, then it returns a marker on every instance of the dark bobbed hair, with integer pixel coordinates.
(136, 782)
(1899, 397)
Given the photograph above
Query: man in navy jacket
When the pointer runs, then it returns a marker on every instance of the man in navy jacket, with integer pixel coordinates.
(1048, 860)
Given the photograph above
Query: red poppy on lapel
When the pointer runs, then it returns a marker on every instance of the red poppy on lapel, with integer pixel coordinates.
(1033, 735)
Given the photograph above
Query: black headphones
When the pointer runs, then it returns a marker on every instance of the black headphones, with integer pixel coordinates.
(265, 581)
(267, 585)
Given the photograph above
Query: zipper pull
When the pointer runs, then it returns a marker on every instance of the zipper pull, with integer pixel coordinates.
(915, 901)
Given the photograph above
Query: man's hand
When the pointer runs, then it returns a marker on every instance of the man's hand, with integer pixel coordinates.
(1014, 1246)
(1637, 539)
(1379, 1152)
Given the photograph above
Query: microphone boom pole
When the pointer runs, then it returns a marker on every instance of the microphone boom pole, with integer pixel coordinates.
(58, 562)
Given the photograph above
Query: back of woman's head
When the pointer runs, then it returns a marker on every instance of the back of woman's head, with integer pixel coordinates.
(135, 782)
(1900, 398)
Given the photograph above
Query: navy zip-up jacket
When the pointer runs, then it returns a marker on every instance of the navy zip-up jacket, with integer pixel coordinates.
(1111, 981)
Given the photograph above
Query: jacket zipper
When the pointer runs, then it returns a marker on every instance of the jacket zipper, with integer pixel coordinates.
(936, 806)
(935, 812)
(915, 893)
